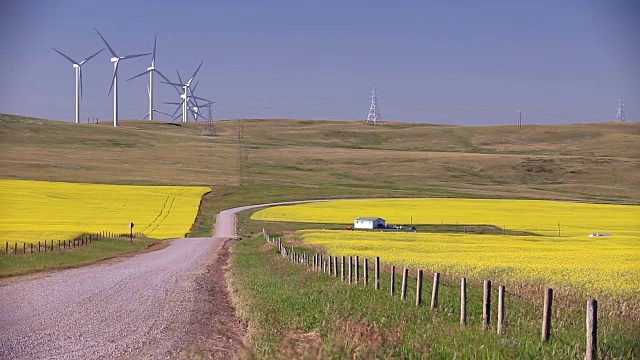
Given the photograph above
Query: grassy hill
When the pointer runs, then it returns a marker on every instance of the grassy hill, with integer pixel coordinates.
(278, 160)
(287, 159)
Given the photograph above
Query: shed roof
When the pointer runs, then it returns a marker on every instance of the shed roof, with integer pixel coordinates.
(369, 218)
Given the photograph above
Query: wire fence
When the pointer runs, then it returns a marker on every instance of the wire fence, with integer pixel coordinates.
(24, 248)
(352, 270)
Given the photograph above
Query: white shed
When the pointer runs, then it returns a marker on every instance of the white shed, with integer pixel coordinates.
(369, 223)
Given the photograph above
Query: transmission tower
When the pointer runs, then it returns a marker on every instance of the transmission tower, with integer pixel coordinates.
(620, 115)
(209, 128)
(374, 110)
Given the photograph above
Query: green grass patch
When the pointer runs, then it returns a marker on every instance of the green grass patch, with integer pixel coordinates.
(294, 313)
(20, 264)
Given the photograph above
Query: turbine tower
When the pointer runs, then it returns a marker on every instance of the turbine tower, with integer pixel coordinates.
(78, 66)
(374, 109)
(620, 115)
(114, 81)
(151, 70)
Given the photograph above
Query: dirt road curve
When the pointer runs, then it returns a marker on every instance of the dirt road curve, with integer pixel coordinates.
(170, 303)
(162, 304)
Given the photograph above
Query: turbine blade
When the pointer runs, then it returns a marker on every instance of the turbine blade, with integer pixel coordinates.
(106, 43)
(170, 83)
(194, 87)
(90, 57)
(133, 56)
(198, 69)
(66, 57)
(153, 58)
(172, 103)
(194, 114)
(163, 113)
(178, 108)
(142, 73)
(145, 117)
(199, 98)
(179, 78)
(162, 75)
(113, 79)
(149, 93)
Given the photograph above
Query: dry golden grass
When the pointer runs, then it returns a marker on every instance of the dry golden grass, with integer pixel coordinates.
(333, 158)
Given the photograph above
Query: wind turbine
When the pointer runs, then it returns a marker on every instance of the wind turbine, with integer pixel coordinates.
(78, 67)
(151, 70)
(114, 81)
(196, 107)
(186, 87)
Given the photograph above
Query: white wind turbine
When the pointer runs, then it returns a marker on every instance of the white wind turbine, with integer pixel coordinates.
(78, 66)
(193, 100)
(151, 70)
(186, 89)
(114, 81)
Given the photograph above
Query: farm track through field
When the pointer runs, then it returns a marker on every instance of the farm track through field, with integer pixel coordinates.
(160, 218)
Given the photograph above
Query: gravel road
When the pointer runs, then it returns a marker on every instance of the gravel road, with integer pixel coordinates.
(149, 305)
(170, 303)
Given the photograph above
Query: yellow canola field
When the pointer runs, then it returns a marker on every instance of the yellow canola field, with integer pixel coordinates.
(537, 216)
(594, 265)
(39, 210)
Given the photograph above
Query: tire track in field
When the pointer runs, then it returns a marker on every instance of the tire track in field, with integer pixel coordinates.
(159, 214)
(162, 218)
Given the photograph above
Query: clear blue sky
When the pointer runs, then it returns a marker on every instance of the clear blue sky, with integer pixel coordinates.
(456, 62)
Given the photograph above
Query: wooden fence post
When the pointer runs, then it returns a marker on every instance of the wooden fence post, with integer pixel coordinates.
(342, 264)
(419, 288)
(24, 248)
(393, 279)
(405, 278)
(6, 248)
(51, 245)
(45, 246)
(434, 292)
(15, 248)
(335, 266)
(546, 314)
(592, 330)
(486, 305)
(330, 265)
(357, 269)
(350, 269)
(32, 248)
(463, 302)
(377, 274)
(38, 245)
(500, 309)
(365, 268)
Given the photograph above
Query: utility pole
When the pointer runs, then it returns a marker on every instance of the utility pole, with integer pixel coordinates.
(620, 114)
(519, 119)
(244, 166)
(374, 109)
